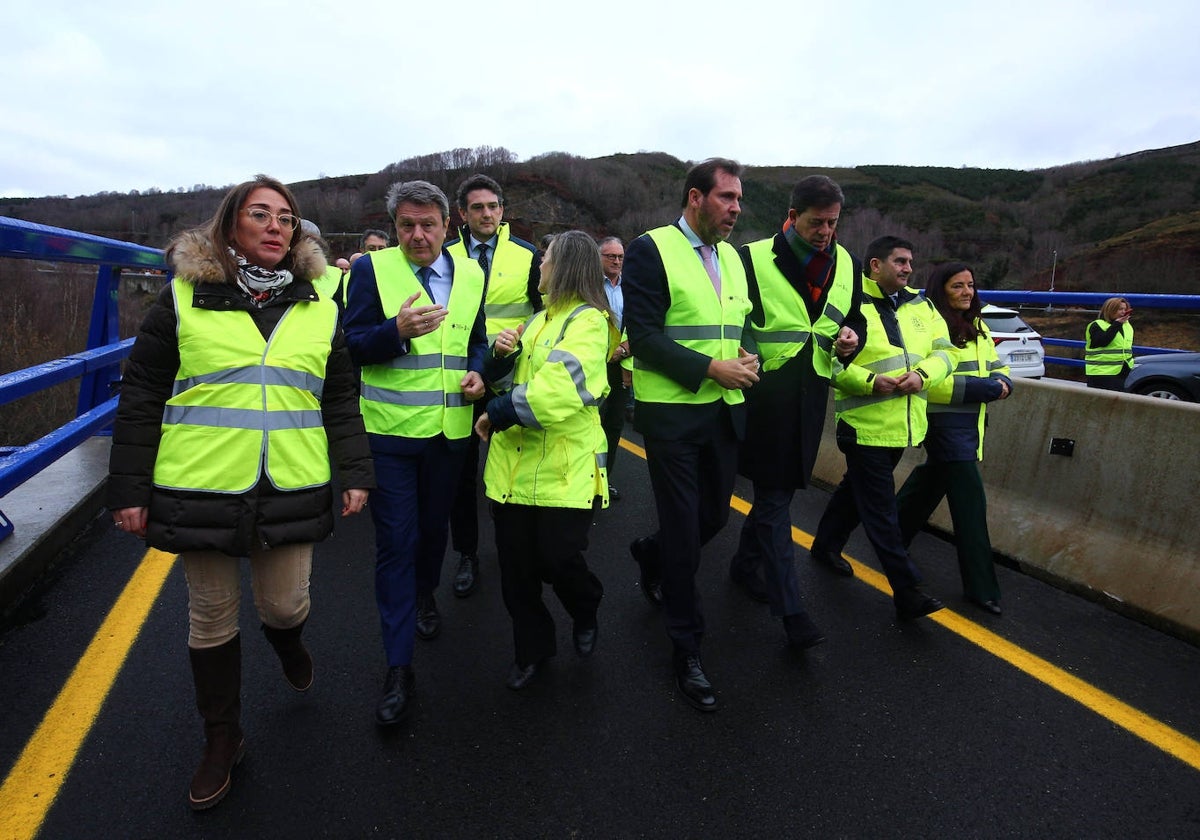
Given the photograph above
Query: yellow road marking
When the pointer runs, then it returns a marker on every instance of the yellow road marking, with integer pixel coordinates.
(1132, 720)
(42, 768)
(40, 771)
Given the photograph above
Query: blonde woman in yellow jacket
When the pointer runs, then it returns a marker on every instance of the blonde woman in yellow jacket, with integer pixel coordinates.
(545, 471)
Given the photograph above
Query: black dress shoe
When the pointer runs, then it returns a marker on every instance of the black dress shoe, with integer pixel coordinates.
(991, 606)
(465, 577)
(832, 560)
(645, 552)
(429, 620)
(585, 640)
(521, 675)
(801, 632)
(693, 684)
(752, 585)
(613, 493)
(913, 603)
(395, 703)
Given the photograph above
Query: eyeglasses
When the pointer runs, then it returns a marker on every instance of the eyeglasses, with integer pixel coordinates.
(262, 218)
(617, 257)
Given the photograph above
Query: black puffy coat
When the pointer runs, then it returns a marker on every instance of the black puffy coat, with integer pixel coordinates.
(263, 516)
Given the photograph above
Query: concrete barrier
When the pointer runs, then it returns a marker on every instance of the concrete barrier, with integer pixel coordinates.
(1093, 490)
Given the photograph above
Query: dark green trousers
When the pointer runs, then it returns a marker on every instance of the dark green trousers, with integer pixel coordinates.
(961, 485)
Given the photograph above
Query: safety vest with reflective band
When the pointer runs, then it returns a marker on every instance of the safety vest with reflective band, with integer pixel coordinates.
(419, 394)
(1113, 359)
(557, 456)
(787, 326)
(327, 284)
(507, 303)
(913, 337)
(697, 318)
(242, 403)
(978, 359)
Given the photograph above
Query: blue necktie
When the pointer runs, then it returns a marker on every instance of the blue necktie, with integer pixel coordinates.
(424, 273)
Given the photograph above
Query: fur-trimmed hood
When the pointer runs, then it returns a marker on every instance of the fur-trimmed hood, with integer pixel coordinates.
(194, 259)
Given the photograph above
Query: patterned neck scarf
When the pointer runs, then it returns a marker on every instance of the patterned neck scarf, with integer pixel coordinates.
(260, 284)
(817, 265)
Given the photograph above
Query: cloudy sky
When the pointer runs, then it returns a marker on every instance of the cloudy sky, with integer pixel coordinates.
(131, 94)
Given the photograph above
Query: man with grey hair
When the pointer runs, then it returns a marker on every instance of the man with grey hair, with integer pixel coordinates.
(415, 324)
(620, 366)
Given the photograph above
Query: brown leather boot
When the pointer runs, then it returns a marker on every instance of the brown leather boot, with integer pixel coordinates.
(218, 676)
(296, 660)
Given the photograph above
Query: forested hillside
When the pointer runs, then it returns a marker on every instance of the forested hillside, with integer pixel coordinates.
(1129, 224)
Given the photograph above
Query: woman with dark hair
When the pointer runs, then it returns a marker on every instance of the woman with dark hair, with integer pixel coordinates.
(1108, 349)
(545, 471)
(236, 391)
(954, 443)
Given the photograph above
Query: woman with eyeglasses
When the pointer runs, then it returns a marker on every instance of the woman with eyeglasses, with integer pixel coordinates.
(238, 389)
(545, 471)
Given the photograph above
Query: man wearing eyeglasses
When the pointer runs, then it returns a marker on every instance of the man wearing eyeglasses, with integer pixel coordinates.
(620, 366)
(511, 269)
(415, 323)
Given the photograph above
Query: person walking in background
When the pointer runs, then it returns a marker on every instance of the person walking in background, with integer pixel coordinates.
(237, 390)
(1108, 346)
(620, 365)
(511, 274)
(686, 308)
(414, 323)
(805, 291)
(879, 402)
(553, 377)
(954, 443)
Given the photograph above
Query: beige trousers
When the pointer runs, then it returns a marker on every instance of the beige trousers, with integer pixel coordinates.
(278, 577)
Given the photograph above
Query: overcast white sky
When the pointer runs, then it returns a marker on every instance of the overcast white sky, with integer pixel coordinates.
(131, 95)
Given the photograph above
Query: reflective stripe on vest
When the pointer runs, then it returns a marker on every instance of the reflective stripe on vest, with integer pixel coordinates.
(574, 368)
(242, 403)
(875, 417)
(419, 394)
(697, 319)
(507, 304)
(978, 358)
(1113, 359)
(786, 327)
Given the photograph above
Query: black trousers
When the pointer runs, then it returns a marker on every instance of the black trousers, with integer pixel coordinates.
(539, 545)
(612, 413)
(867, 494)
(692, 482)
(464, 513)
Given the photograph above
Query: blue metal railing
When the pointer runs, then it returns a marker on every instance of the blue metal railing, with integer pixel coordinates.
(98, 367)
(1092, 300)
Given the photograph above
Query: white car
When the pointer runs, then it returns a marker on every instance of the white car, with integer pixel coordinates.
(1017, 343)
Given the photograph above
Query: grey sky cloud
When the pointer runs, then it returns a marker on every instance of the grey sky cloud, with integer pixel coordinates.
(133, 95)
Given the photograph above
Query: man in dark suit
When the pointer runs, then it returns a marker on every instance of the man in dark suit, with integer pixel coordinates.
(685, 309)
(415, 324)
(512, 273)
(804, 287)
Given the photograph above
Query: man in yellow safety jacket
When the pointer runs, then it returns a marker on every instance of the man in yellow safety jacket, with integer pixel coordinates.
(686, 306)
(879, 400)
(805, 291)
(511, 269)
(414, 323)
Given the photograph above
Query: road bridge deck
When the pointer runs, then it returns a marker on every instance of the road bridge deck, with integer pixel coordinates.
(1059, 719)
